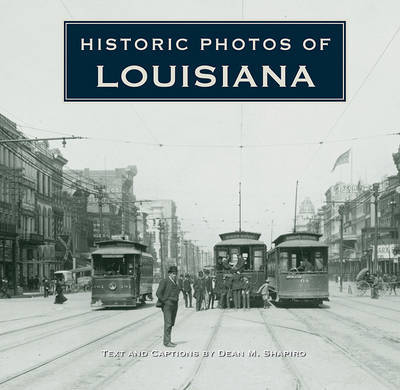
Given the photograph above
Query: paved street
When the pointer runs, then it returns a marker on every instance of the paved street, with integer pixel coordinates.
(47, 346)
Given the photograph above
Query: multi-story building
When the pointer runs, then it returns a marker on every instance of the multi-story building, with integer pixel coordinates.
(305, 214)
(162, 224)
(360, 226)
(116, 187)
(30, 183)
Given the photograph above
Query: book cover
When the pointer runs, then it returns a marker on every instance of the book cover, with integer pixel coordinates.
(199, 194)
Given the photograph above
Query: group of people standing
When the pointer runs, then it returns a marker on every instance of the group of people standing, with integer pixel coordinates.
(233, 291)
(202, 290)
(234, 287)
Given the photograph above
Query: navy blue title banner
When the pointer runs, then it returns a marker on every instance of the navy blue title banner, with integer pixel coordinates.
(204, 61)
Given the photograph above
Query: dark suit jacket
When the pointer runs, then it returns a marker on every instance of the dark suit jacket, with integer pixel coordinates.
(208, 283)
(167, 291)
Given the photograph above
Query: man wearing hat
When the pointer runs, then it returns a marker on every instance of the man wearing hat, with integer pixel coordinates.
(225, 292)
(187, 290)
(264, 291)
(168, 295)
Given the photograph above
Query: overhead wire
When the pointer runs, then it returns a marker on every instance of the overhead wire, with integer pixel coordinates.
(348, 105)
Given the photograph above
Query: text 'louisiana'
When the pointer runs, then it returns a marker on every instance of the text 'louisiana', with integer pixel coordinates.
(135, 76)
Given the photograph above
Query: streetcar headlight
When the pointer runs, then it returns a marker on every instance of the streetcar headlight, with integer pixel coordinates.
(112, 286)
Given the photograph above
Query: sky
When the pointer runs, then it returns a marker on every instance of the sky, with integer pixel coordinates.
(197, 171)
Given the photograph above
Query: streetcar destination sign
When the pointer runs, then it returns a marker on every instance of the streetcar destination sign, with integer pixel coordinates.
(204, 61)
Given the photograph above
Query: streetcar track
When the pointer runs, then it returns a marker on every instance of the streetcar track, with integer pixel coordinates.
(109, 377)
(57, 331)
(349, 354)
(366, 329)
(291, 367)
(368, 312)
(45, 323)
(191, 378)
(72, 350)
(23, 318)
(371, 305)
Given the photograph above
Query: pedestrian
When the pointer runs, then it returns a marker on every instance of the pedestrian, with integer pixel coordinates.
(208, 289)
(264, 291)
(237, 289)
(46, 287)
(180, 283)
(60, 298)
(168, 296)
(213, 293)
(225, 292)
(187, 291)
(393, 284)
(199, 290)
(4, 288)
(246, 293)
(374, 287)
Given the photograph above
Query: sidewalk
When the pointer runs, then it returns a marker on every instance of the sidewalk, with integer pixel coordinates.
(350, 290)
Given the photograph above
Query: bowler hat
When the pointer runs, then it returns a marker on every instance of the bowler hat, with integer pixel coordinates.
(173, 269)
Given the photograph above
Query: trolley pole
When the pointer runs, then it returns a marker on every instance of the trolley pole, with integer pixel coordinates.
(341, 212)
(295, 207)
(375, 188)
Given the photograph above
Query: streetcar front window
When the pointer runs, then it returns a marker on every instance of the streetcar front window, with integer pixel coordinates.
(110, 267)
(303, 260)
(309, 260)
(283, 261)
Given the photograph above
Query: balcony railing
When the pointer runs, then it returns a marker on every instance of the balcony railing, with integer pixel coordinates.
(32, 237)
(8, 229)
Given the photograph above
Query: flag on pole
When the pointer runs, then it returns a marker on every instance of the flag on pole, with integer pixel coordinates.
(342, 159)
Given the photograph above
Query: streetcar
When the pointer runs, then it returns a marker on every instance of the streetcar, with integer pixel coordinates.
(122, 274)
(241, 252)
(297, 269)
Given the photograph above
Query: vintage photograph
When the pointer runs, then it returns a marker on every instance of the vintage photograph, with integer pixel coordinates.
(199, 195)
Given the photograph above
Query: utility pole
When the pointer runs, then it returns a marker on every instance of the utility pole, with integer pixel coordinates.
(161, 230)
(341, 212)
(16, 205)
(375, 188)
(240, 206)
(100, 198)
(295, 207)
(186, 256)
(272, 229)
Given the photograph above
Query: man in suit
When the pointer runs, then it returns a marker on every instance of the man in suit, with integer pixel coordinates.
(225, 291)
(237, 289)
(187, 290)
(208, 288)
(168, 295)
(199, 290)
(180, 283)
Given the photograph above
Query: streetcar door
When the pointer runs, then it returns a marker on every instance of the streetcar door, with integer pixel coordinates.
(138, 273)
(134, 272)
